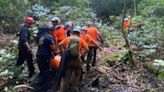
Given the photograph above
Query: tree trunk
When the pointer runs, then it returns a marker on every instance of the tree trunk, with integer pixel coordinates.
(131, 60)
(135, 8)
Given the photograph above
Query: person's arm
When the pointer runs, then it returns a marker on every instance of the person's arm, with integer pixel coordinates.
(64, 43)
(85, 46)
(97, 44)
(24, 37)
(27, 46)
(100, 38)
(93, 41)
(50, 41)
(53, 47)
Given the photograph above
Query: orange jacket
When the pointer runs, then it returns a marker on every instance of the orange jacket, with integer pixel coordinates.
(88, 39)
(59, 34)
(126, 25)
(82, 36)
(82, 43)
(94, 33)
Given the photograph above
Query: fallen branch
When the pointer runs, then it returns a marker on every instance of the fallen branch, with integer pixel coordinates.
(23, 86)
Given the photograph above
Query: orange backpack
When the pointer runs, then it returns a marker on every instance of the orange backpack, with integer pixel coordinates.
(55, 62)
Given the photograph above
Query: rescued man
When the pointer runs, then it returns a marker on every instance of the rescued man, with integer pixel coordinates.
(71, 61)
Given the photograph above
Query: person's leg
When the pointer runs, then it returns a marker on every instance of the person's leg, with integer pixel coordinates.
(89, 57)
(43, 65)
(40, 64)
(83, 62)
(75, 81)
(62, 68)
(77, 76)
(65, 80)
(21, 58)
(44, 80)
(94, 55)
(83, 58)
(30, 64)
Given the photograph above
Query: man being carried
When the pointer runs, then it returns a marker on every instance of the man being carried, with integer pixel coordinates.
(71, 61)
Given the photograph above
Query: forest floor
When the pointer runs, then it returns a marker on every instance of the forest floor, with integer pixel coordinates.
(110, 76)
(115, 77)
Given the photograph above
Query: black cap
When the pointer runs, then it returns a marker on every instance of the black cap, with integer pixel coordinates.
(45, 28)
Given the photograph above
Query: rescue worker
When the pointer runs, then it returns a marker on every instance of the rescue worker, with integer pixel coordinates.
(25, 49)
(95, 34)
(82, 35)
(82, 31)
(88, 39)
(59, 32)
(126, 24)
(129, 21)
(69, 27)
(70, 62)
(55, 21)
(46, 47)
(41, 31)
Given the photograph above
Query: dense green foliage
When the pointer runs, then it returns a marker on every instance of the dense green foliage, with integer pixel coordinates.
(105, 8)
(11, 14)
(151, 8)
(151, 18)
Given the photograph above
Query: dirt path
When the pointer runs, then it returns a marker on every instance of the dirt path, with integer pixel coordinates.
(112, 77)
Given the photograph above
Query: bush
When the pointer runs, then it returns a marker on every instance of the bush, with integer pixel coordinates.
(109, 7)
(151, 7)
(12, 15)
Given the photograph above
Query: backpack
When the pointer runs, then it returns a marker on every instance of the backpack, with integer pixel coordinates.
(73, 47)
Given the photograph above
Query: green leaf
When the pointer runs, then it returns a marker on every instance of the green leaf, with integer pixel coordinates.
(161, 75)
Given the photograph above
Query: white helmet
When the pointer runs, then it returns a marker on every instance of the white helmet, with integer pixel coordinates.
(70, 24)
(77, 29)
(84, 28)
(126, 19)
(56, 19)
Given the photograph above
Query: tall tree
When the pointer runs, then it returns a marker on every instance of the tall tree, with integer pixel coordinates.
(135, 8)
(131, 60)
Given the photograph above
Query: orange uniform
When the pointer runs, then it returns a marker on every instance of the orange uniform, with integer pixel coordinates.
(59, 34)
(82, 36)
(88, 39)
(94, 33)
(126, 25)
(82, 44)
